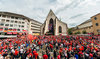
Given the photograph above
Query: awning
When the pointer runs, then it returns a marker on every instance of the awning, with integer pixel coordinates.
(14, 29)
(36, 34)
(20, 33)
(9, 32)
(1, 29)
(14, 32)
(24, 30)
(10, 29)
(5, 31)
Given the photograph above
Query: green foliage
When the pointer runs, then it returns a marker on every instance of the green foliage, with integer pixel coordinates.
(70, 31)
(78, 32)
(84, 32)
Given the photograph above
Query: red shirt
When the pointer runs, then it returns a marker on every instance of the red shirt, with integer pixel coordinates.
(45, 56)
(29, 50)
(30, 54)
(58, 57)
(51, 46)
(39, 43)
(16, 52)
(34, 52)
(91, 55)
(36, 55)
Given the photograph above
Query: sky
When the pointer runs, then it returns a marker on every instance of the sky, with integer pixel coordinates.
(72, 12)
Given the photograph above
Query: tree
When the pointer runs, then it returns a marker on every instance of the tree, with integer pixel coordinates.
(84, 32)
(78, 32)
(70, 31)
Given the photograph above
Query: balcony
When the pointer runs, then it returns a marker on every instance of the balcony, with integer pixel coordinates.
(7, 36)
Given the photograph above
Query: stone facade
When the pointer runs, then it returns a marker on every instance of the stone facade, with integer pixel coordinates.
(96, 24)
(85, 26)
(53, 25)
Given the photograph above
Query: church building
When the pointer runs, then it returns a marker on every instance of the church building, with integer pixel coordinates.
(53, 26)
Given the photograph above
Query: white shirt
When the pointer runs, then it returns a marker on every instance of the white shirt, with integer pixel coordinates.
(21, 50)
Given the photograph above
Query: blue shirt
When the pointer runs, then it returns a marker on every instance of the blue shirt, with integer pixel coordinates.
(76, 56)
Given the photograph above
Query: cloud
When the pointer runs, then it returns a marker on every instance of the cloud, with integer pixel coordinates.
(72, 4)
(73, 12)
(78, 15)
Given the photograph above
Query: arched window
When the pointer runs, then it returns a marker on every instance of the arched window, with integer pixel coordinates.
(51, 21)
(60, 29)
(50, 25)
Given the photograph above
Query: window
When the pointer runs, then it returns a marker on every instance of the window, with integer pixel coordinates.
(15, 25)
(10, 28)
(6, 28)
(18, 29)
(19, 22)
(6, 24)
(98, 30)
(23, 19)
(1, 24)
(20, 18)
(16, 17)
(8, 16)
(89, 27)
(4, 16)
(7, 20)
(1, 28)
(0, 15)
(95, 18)
(3, 20)
(12, 17)
(15, 21)
(22, 25)
(11, 25)
(23, 22)
(96, 24)
(19, 26)
(60, 29)
(12, 21)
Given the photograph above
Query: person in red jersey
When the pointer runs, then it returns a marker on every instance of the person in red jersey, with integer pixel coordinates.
(16, 53)
(30, 56)
(36, 55)
(58, 57)
(45, 56)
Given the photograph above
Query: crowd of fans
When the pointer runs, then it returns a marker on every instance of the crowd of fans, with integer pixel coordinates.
(50, 47)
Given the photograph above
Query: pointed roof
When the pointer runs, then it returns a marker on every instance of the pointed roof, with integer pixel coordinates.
(51, 12)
